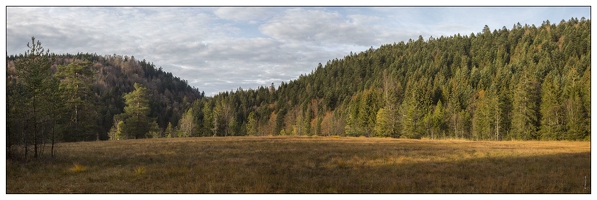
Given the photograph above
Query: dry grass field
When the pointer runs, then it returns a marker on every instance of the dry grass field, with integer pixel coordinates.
(306, 165)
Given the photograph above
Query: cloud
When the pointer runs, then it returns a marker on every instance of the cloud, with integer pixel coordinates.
(250, 63)
(218, 49)
(244, 14)
(318, 26)
(340, 28)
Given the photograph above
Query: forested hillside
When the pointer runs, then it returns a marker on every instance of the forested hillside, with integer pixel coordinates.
(526, 83)
(62, 98)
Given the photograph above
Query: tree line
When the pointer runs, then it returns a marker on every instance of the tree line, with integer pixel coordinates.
(524, 83)
(66, 98)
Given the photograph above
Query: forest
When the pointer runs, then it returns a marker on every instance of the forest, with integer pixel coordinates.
(68, 98)
(524, 83)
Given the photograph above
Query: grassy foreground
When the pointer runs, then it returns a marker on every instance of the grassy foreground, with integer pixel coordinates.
(306, 165)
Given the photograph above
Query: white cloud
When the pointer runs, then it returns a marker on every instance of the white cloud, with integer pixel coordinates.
(318, 27)
(245, 14)
(219, 49)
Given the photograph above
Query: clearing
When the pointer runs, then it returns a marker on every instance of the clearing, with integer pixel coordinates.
(306, 165)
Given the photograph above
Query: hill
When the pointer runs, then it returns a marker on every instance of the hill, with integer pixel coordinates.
(100, 82)
(526, 83)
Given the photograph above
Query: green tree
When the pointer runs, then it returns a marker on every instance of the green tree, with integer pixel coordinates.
(368, 108)
(318, 121)
(438, 120)
(525, 118)
(233, 126)
(577, 128)
(115, 132)
(136, 113)
(383, 125)
(482, 119)
(577, 118)
(208, 120)
(414, 109)
(76, 80)
(307, 122)
(154, 130)
(279, 121)
(252, 124)
(353, 127)
(390, 124)
(35, 92)
(552, 112)
(169, 133)
(186, 125)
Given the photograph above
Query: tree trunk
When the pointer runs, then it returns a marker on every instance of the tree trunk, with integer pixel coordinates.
(26, 142)
(34, 129)
(497, 124)
(53, 137)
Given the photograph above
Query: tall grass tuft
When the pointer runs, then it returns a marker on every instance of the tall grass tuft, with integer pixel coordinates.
(78, 168)
(140, 170)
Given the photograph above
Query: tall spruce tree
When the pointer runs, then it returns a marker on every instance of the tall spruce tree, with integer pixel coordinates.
(525, 118)
(552, 110)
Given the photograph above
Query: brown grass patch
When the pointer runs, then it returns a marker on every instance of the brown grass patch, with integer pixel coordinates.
(285, 164)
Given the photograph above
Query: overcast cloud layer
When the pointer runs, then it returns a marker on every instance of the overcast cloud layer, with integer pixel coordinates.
(224, 48)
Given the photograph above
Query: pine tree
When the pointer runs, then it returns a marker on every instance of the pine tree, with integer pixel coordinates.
(383, 126)
(438, 120)
(552, 112)
(169, 133)
(390, 125)
(368, 108)
(482, 120)
(36, 86)
(413, 110)
(318, 122)
(76, 91)
(525, 118)
(233, 126)
(353, 125)
(576, 116)
(154, 130)
(252, 124)
(208, 120)
(577, 128)
(307, 122)
(136, 113)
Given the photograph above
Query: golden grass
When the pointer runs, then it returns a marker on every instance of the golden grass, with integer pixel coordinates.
(78, 168)
(281, 164)
(139, 170)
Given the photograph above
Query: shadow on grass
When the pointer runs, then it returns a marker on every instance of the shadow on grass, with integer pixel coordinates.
(252, 165)
(559, 173)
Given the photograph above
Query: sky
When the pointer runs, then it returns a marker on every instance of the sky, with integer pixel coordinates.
(220, 49)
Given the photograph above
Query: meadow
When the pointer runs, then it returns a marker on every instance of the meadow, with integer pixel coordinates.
(306, 165)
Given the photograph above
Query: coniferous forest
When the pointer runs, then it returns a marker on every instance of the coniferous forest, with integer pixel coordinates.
(528, 82)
